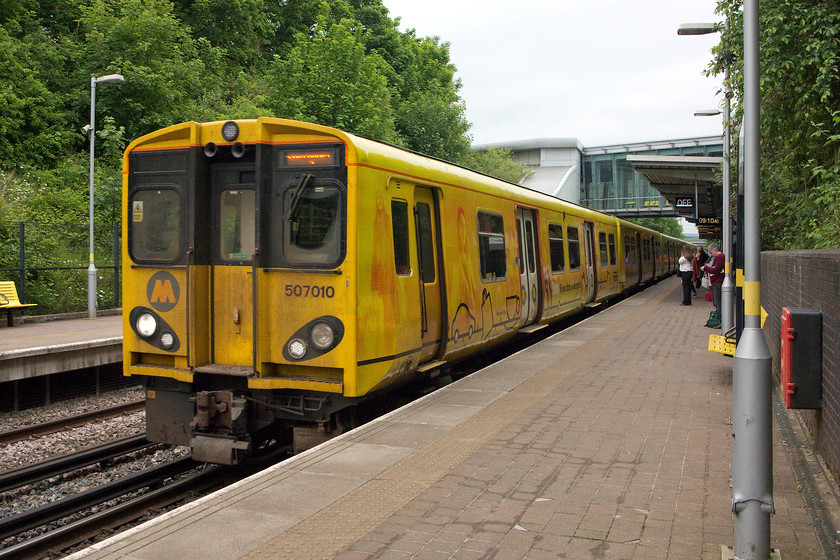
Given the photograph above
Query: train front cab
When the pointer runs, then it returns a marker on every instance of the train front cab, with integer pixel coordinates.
(239, 281)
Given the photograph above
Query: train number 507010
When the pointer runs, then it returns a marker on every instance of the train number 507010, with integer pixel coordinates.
(297, 290)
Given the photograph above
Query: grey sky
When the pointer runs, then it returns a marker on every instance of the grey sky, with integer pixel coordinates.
(603, 71)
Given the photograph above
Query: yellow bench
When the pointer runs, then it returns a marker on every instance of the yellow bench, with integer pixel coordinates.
(10, 302)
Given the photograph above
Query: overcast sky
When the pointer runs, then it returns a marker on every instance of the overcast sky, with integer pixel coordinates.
(602, 71)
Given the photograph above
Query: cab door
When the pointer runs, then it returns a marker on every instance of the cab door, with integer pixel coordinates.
(529, 265)
(231, 278)
(426, 230)
(589, 248)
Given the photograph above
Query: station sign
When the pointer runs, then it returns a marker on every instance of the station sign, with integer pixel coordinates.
(709, 231)
(684, 202)
(709, 222)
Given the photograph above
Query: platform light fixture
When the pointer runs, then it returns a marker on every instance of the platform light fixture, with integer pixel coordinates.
(90, 129)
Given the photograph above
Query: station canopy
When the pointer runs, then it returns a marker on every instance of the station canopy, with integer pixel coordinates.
(691, 184)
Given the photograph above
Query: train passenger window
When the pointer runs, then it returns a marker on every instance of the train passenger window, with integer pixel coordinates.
(574, 248)
(491, 246)
(611, 243)
(555, 247)
(399, 224)
(155, 225)
(423, 215)
(313, 229)
(602, 246)
(237, 217)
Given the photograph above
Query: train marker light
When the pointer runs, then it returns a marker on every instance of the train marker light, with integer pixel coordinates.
(167, 340)
(297, 348)
(230, 130)
(146, 325)
(322, 336)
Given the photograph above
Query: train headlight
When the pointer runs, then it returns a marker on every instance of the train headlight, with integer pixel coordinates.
(230, 130)
(167, 340)
(297, 348)
(322, 336)
(146, 325)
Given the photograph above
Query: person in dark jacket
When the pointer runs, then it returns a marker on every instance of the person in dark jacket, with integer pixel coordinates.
(700, 260)
(715, 270)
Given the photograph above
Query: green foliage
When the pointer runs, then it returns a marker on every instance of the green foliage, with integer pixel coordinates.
(668, 226)
(329, 79)
(497, 162)
(800, 92)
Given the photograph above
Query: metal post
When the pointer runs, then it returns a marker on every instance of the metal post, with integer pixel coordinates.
(91, 273)
(22, 261)
(752, 449)
(727, 289)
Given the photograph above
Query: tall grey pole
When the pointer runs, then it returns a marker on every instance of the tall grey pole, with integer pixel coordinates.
(727, 290)
(752, 448)
(110, 78)
(91, 273)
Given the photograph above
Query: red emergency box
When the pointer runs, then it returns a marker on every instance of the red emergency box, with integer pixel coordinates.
(801, 373)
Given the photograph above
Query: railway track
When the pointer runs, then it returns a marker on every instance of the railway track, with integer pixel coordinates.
(78, 529)
(19, 434)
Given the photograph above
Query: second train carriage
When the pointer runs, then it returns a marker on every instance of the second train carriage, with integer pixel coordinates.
(278, 272)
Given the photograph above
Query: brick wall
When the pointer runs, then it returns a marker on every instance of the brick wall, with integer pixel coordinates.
(809, 279)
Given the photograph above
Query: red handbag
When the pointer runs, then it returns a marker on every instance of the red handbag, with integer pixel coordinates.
(708, 296)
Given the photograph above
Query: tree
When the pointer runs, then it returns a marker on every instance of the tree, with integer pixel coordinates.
(329, 79)
(668, 226)
(497, 162)
(800, 126)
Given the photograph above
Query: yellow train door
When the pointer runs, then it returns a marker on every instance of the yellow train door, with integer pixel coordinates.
(529, 266)
(426, 228)
(231, 279)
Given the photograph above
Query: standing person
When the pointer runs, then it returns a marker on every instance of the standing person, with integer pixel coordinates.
(687, 273)
(700, 260)
(716, 273)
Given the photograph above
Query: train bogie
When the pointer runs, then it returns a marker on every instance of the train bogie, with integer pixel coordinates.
(278, 273)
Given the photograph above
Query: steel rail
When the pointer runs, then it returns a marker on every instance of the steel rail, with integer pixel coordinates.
(55, 425)
(30, 474)
(26, 520)
(78, 531)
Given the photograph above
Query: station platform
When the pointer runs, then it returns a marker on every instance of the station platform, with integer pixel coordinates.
(610, 440)
(36, 349)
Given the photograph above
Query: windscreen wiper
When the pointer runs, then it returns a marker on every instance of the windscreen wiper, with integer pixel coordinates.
(293, 203)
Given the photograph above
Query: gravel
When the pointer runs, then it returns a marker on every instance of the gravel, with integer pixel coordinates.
(39, 448)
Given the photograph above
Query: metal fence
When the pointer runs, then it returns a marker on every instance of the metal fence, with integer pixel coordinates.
(49, 262)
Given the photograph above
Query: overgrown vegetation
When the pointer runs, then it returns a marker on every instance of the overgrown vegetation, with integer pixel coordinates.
(800, 116)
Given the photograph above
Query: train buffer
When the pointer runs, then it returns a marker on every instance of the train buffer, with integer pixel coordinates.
(10, 302)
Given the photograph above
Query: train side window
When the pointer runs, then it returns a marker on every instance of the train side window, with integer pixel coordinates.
(155, 225)
(423, 216)
(611, 243)
(313, 230)
(602, 246)
(237, 216)
(574, 248)
(491, 246)
(399, 225)
(529, 235)
(555, 247)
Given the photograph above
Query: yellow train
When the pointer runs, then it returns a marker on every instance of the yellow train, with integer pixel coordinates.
(277, 272)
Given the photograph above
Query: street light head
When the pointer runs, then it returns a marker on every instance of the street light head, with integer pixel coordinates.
(116, 78)
(697, 28)
(707, 113)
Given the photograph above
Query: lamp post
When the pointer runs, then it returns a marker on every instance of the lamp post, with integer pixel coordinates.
(115, 78)
(727, 291)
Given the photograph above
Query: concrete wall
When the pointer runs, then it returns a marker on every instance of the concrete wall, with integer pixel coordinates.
(809, 279)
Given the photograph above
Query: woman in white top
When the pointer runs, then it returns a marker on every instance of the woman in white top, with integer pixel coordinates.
(686, 272)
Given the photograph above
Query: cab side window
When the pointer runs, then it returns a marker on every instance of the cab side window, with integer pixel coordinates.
(399, 225)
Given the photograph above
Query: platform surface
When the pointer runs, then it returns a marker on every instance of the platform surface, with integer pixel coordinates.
(610, 440)
(32, 349)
